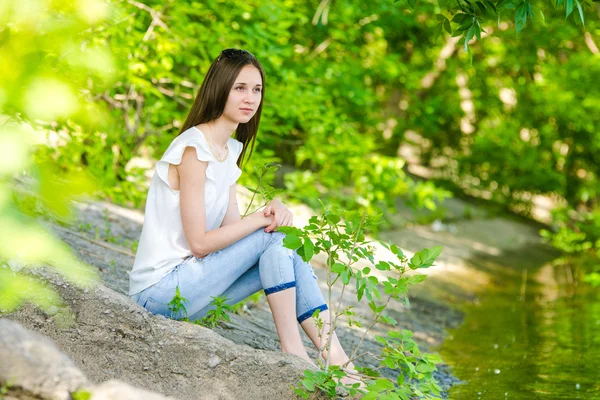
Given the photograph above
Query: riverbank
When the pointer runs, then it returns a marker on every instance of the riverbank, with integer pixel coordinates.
(473, 241)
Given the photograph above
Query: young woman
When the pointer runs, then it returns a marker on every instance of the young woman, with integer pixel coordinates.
(193, 237)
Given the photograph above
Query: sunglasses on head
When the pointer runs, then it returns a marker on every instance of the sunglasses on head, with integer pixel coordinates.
(232, 53)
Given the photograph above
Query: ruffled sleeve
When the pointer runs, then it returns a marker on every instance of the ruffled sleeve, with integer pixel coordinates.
(174, 154)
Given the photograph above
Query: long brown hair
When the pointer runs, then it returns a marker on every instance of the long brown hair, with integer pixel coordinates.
(212, 96)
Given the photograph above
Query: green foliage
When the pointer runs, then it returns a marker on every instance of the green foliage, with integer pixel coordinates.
(218, 314)
(344, 95)
(576, 232)
(593, 278)
(324, 381)
(263, 189)
(342, 138)
(212, 319)
(341, 236)
(425, 258)
(177, 305)
(401, 352)
(16, 288)
(40, 35)
(528, 114)
(4, 387)
(577, 236)
(81, 395)
(470, 15)
(333, 135)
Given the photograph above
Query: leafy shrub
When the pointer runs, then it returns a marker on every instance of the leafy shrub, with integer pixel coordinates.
(340, 235)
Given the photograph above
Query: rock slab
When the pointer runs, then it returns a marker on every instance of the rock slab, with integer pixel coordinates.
(108, 337)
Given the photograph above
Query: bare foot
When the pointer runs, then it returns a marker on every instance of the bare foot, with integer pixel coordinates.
(311, 362)
(303, 355)
(352, 377)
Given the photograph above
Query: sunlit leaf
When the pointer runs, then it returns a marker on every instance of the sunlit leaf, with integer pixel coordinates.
(569, 7)
(521, 17)
(292, 241)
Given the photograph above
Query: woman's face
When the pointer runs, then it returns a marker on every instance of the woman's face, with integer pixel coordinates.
(245, 95)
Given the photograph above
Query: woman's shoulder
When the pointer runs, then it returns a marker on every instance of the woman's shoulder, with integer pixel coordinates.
(191, 134)
(191, 137)
(194, 135)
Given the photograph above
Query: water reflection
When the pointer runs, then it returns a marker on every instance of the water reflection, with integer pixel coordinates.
(534, 333)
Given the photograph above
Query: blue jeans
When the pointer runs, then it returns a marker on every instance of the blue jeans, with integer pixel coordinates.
(257, 261)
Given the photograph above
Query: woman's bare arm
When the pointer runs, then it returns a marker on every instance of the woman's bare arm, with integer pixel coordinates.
(233, 211)
(192, 178)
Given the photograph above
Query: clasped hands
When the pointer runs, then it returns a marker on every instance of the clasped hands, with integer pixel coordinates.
(282, 216)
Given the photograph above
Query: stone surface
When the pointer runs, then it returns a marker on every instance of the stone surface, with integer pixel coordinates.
(117, 390)
(33, 365)
(155, 353)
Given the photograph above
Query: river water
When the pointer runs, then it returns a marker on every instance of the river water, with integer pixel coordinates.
(531, 333)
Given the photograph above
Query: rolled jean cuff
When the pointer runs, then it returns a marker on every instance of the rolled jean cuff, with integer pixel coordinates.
(309, 313)
(279, 288)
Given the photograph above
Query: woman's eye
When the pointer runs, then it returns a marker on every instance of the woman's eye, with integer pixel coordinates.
(239, 87)
(258, 90)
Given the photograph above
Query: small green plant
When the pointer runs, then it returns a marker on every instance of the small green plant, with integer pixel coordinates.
(212, 319)
(84, 227)
(106, 219)
(113, 266)
(341, 236)
(4, 387)
(238, 308)
(81, 395)
(218, 314)
(177, 305)
(323, 380)
(468, 212)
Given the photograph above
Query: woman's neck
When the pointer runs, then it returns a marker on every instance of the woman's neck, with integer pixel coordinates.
(218, 131)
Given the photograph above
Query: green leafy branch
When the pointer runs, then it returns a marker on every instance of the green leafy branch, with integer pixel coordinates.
(341, 237)
(265, 191)
(468, 15)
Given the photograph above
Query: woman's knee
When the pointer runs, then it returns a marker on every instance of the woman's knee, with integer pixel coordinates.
(276, 236)
(267, 238)
(274, 241)
(300, 266)
(303, 268)
(259, 233)
(277, 262)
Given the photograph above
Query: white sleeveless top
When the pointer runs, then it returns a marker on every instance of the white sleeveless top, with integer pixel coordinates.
(162, 244)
